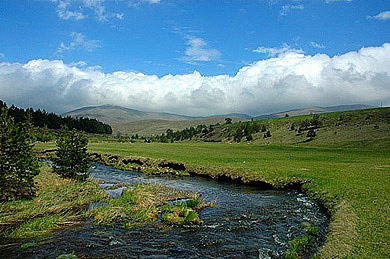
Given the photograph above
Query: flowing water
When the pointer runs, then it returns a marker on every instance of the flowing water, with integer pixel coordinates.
(246, 222)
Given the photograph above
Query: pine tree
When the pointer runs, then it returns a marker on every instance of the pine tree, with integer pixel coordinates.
(18, 164)
(72, 160)
(311, 133)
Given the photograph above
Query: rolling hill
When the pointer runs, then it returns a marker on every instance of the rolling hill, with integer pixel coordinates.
(131, 121)
(112, 114)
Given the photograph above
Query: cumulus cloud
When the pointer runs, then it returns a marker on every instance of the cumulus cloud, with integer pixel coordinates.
(198, 51)
(278, 83)
(275, 51)
(79, 41)
(383, 16)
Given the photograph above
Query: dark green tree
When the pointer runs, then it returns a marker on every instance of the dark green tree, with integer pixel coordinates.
(267, 134)
(311, 133)
(228, 121)
(18, 164)
(315, 122)
(72, 160)
(238, 135)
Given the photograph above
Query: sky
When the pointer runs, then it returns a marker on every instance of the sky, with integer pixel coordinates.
(194, 57)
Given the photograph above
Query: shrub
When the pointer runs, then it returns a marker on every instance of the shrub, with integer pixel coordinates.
(72, 160)
(18, 165)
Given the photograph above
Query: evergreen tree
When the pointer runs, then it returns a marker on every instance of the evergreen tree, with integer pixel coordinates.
(18, 165)
(311, 133)
(72, 160)
(267, 134)
(249, 137)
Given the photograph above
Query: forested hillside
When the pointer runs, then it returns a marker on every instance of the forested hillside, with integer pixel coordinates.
(41, 118)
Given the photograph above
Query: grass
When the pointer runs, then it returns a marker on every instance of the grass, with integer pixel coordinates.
(182, 213)
(59, 202)
(134, 207)
(141, 205)
(346, 169)
(353, 183)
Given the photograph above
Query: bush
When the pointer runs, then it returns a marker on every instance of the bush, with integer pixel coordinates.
(72, 160)
(18, 165)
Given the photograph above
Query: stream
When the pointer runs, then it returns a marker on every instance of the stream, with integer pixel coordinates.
(246, 222)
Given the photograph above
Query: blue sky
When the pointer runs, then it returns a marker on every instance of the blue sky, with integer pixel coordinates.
(162, 37)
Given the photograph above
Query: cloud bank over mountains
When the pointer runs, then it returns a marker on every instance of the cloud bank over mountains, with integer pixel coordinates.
(291, 79)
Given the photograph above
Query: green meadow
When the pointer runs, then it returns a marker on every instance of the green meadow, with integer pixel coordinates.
(345, 168)
(352, 183)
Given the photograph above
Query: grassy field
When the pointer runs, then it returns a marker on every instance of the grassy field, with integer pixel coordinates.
(355, 183)
(347, 164)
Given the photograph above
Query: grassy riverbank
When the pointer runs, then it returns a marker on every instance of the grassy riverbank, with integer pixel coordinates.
(353, 183)
(59, 202)
(63, 202)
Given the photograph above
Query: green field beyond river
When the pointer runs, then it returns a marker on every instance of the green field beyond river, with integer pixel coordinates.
(353, 184)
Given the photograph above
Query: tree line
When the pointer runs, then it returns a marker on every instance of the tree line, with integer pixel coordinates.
(237, 131)
(41, 118)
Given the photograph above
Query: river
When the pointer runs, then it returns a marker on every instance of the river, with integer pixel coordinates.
(246, 222)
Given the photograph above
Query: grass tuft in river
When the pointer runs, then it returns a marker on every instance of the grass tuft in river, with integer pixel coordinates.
(142, 204)
(302, 244)
(182, 213)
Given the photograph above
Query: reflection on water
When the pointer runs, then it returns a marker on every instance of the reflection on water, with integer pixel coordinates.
(245, 222)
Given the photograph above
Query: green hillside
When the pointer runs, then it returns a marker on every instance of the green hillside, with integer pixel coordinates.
(369, 127)
(152, 127)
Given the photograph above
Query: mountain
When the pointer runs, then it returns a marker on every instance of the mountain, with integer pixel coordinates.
(131, 122)
(113, 114)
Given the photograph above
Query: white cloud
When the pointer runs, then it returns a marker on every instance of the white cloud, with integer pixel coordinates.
(2, 55)
(80, 63)
(80, 9)
(64, 13)
(152, 1)
(316, 45)
(274, 51)
(79, 41)
(332, 1)
(383, 16)
(198, 51)
(286, 8)
(119, 16)
(97, 6)
(279, 83)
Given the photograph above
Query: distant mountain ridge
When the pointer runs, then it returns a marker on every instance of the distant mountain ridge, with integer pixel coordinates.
(119, 114)
(116, 114)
